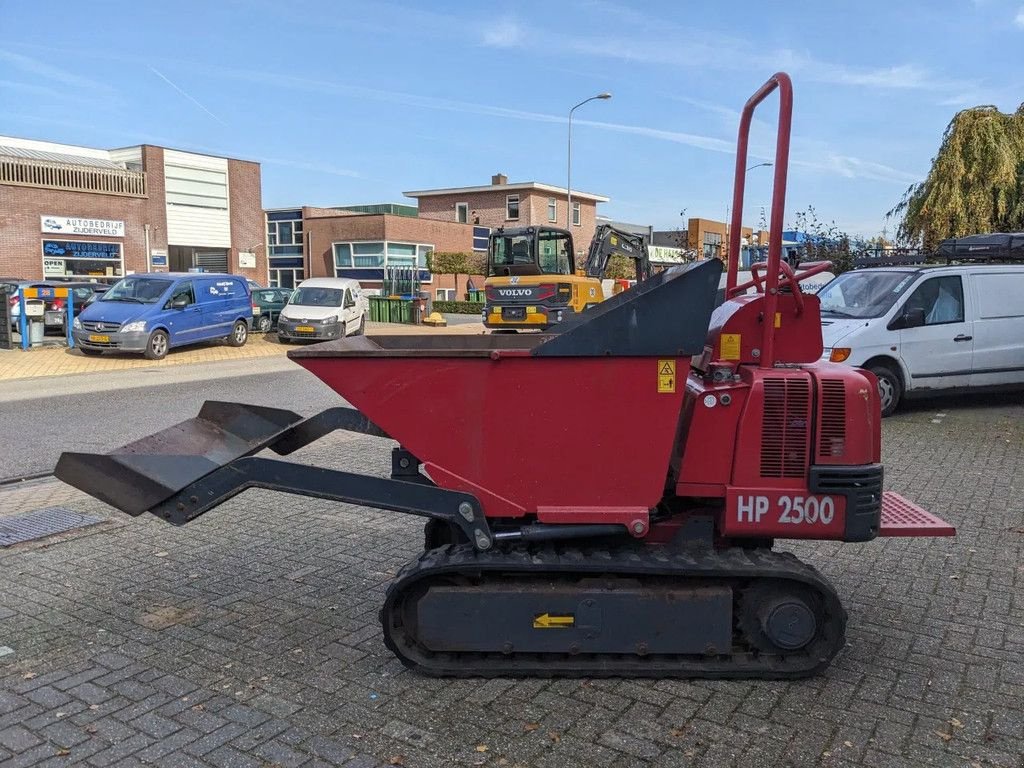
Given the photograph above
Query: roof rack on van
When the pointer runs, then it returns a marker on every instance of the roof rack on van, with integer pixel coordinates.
(995, 247)
(890, 257)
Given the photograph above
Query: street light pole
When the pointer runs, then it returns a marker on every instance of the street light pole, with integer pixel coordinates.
(758, 165)
(568, 165)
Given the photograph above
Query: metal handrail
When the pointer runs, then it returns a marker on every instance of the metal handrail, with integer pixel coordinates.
(781, 81)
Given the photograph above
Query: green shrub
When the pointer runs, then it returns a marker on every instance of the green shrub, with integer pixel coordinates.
(459, 307)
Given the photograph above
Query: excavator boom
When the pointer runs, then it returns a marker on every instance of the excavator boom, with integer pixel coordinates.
(608, 242)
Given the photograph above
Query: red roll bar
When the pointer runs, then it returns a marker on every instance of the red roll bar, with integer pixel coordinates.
(781, 81)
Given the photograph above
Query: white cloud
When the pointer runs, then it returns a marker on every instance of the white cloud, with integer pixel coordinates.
(504, 33)
(46, 71)
(854, 168)
(1019, 18)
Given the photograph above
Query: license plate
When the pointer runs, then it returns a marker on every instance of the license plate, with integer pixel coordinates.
(304, 328)
(99, 338)
(513, 313)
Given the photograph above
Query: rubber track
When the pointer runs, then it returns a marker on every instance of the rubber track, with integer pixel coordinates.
(738, 567)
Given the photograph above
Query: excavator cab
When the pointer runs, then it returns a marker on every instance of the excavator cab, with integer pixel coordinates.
(532, 281)
(530, 251)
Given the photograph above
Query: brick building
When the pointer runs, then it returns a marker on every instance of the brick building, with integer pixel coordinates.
(521, 204)
(363, 241)
(709, 238)
(68, 211)
(346, 242)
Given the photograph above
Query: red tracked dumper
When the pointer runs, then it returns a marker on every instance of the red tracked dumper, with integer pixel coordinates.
(602, 500)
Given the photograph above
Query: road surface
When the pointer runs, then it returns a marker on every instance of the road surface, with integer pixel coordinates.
(99, 412)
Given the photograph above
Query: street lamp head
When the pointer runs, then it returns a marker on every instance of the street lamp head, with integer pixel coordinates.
(604, 95)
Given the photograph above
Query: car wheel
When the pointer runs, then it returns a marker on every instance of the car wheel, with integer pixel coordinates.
(263, 324)
(362, 326)
(239, 334)
(156, 347)
(890, 388)
(91, 352)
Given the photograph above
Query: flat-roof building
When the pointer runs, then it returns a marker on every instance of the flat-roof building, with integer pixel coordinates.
(80, 212)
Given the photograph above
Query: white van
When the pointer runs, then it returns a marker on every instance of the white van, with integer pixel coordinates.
(324, 308)
(926, 329)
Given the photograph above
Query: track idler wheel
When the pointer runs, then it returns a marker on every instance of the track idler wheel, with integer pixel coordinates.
(779, 618)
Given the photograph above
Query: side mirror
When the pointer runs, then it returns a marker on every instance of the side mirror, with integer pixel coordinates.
(179, 302)
(913, 318)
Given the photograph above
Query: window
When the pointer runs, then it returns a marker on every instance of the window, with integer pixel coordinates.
(284, 232)
(197, 187)
(513, 255)
(342, 256)
(462, 213)
(940, 298)
(367, 255)
(575, 214)
(552, 209)
(376, 255)
(317, 297)
(553, 252)
(422, 251)
(712, 245)
(480, 237)
(138, 290)
(183, 291)
(512, 207)
(285, 279)
(864, 293)
(401, 255)
(445, 294)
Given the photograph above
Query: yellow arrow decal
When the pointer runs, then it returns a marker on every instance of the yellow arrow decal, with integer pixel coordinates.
(550, 621)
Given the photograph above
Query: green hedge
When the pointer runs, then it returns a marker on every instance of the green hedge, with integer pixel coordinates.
(459, 307)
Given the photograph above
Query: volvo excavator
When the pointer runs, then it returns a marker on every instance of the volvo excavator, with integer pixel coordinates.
(601, 500)
(532, 280)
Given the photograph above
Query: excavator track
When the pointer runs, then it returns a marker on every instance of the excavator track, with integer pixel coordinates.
(625, 611)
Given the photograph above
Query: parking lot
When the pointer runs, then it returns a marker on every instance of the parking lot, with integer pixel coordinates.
(250, 638)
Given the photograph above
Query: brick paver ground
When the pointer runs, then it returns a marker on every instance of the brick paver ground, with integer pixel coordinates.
(250, 638)
(61, 361)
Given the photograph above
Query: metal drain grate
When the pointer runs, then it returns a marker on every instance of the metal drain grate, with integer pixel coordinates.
(41, 523)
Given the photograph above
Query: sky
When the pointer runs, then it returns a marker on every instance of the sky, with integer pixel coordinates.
(347, 102)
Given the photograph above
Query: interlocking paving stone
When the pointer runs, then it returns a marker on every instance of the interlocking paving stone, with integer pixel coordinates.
(267, 646)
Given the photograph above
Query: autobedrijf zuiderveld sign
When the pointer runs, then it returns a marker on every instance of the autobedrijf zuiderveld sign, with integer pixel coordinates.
(76, 225)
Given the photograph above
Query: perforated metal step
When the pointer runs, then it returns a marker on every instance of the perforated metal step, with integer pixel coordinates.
(901, 517)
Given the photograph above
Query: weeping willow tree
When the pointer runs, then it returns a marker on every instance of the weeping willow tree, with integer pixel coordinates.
(976, 183)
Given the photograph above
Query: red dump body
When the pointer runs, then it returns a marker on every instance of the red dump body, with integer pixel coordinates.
(555, 436)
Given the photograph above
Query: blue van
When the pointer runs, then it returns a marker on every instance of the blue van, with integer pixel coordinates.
(153, 312)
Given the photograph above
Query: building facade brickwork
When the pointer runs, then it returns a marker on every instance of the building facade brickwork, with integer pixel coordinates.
(43, 184)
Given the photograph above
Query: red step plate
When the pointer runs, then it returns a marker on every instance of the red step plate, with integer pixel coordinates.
(904, 518)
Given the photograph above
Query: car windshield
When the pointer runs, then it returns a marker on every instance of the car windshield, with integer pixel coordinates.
(317, 297)
(864, 294)
(138, 290)
(269, 297)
